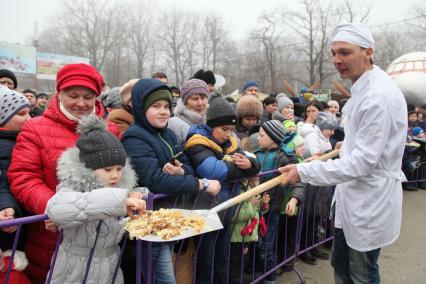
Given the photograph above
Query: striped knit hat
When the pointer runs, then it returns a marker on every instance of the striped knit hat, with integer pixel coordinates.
(275, 130)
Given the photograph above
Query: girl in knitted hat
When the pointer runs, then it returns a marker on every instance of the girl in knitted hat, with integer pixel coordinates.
(214, 153)
(14, 112)
(94, 191)
(274, 152)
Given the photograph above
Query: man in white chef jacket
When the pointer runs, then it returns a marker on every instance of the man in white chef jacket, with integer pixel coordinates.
(368, 196)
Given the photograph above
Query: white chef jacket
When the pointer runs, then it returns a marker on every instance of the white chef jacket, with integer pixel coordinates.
(368, 175)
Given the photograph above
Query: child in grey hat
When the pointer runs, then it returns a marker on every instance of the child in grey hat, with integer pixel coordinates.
(96, 183)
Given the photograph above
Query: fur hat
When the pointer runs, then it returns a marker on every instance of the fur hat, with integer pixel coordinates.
(10, 103)
(9, 74)
(79, 74)
(249, 106)
(193, 87)
(220, 112)
(283, 101)
(326, 120)
(98, 148)
(275, 130)
(206, 76)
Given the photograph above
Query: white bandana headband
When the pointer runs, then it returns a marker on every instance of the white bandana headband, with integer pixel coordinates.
(354, 33)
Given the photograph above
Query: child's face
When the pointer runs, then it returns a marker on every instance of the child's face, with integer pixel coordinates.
(327, 133)
(223, 133)
(291, 129)
(265, 142)
(412, 117)
(18, 120)
(158, 114)
(109, 176)
(299, 150)
(248, 121)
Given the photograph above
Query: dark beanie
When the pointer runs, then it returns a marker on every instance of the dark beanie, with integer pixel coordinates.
(220, 112)
(248, 84)
(98, 148)
(162, 94)
(275, 130)
(9, 74)
(206, 76)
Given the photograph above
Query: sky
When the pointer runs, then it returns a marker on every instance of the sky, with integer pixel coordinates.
(18, 21)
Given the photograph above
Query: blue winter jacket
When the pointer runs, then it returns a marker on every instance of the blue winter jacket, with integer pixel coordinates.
(210, 163)
(150, 149)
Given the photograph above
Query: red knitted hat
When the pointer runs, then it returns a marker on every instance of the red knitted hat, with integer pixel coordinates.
(79, 74)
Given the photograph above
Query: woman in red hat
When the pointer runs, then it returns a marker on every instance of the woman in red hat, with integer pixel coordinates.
(32, 173)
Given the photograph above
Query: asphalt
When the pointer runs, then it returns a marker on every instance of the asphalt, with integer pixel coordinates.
(402, 262)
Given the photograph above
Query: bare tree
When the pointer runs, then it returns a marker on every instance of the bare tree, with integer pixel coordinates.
(268, 36)
(139, 22)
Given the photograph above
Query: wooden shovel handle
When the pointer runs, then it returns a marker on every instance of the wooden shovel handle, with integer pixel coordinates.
(263, 187)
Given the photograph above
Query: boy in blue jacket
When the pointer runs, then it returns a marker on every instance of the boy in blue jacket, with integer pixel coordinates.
(214, 153)
(150, 145)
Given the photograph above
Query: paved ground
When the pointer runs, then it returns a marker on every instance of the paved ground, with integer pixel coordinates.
(403, 262)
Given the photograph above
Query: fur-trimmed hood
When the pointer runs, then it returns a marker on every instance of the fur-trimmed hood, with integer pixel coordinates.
(20, 261)
(72, 171)
(189, 116)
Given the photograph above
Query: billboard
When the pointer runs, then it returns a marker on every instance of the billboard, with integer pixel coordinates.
(48, 64)
(19, 59)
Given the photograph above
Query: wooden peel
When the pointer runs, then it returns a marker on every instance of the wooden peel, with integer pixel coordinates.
(289, 88)
(263, 187)
(342, 90)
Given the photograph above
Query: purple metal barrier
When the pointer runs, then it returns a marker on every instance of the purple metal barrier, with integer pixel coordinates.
(303, 236)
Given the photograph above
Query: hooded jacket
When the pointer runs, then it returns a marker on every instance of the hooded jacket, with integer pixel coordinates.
(80, 202)
(32, 176)
(149, 149)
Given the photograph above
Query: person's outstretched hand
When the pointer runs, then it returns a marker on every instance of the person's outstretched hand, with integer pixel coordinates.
(292, 175)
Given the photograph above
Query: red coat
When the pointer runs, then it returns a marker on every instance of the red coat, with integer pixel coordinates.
(32, 176)
(15, 276)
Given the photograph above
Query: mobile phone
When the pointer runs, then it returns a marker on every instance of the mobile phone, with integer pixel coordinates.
(176, 157)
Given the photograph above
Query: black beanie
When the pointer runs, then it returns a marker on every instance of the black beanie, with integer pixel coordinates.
(9, 74)
(206, 76)
(98, 148)
(220, 112)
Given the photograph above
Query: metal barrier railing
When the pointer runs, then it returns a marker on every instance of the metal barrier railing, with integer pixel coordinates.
(309, 233)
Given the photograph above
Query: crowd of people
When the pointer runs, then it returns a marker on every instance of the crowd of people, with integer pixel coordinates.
(87, 155)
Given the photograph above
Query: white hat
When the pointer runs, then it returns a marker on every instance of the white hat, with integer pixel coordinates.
(354, 33)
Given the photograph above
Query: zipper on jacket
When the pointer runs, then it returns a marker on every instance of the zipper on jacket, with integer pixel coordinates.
(167, 144)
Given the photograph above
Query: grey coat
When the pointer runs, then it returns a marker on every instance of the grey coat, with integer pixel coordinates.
(80, 202)
(182, 121)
